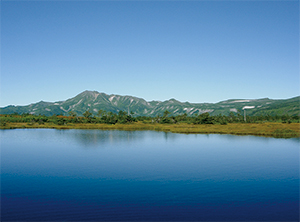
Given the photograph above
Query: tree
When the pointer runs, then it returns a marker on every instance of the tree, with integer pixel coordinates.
(72, 114)
(180, 118)
(122, 117)
(122, 114)
(165, 118)
(166, 113)
(88, 115)
(100, 113)
(203, 118)
(285, 118)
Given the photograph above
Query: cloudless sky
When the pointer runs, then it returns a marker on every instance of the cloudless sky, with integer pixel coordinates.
(196, 51)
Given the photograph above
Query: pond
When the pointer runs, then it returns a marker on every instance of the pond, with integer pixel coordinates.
(98, 175)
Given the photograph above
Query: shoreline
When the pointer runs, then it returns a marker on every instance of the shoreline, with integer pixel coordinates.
(268, 129)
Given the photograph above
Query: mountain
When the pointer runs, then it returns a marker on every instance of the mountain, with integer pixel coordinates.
(94, 101)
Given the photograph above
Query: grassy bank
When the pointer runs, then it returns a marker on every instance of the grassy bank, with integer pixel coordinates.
(270, 129)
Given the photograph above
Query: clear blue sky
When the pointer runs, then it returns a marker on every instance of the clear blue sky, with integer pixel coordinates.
(196, 51)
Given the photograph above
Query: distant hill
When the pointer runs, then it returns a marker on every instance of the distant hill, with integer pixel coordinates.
(94, 101)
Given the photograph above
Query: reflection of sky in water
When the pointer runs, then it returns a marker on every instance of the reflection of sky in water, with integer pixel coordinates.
(98, 138)
(147, 155)
(151, 168)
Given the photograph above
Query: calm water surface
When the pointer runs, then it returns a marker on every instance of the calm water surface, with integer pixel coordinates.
(96, 175)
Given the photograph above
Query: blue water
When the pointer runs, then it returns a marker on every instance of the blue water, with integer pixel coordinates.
(96, 175)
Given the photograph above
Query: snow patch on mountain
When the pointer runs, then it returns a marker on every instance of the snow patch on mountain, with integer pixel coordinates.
(248, 107)
(62, 108)
(241, 101)
(188, 109)
(111, 98)
(77, 103)
(96, 95)
(205, 111)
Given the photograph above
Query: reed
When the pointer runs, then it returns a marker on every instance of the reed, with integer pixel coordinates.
(269, 129)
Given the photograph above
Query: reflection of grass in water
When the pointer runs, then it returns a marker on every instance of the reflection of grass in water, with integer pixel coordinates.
(285, 133)
(260, 129)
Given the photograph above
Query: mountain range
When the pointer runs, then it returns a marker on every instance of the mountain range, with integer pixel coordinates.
(95, 101)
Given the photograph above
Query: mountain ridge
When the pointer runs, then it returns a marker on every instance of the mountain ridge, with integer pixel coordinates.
(95, 101)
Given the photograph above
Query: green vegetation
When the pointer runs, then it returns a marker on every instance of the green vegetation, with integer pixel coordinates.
(275, 126)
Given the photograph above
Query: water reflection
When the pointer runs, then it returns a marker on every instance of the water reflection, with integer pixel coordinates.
(141, 175)
(99, 138)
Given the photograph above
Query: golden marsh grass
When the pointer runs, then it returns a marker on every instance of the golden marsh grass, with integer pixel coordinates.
(269, 129)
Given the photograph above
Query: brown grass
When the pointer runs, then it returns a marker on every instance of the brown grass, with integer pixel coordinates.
(283, 130)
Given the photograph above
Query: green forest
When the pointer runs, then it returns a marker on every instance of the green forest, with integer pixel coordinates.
(123, 117)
